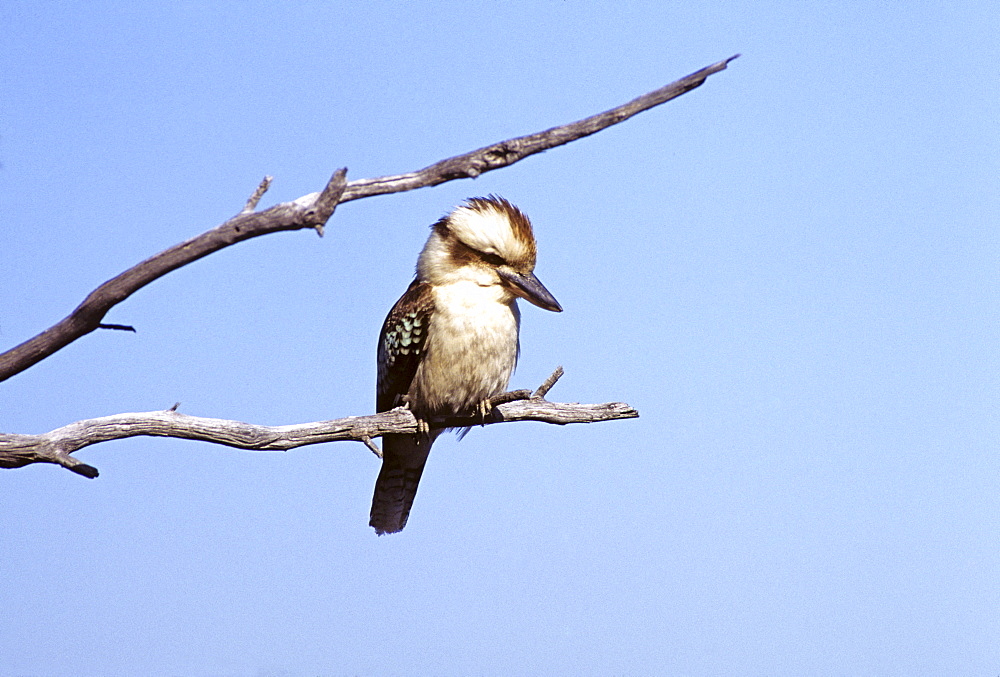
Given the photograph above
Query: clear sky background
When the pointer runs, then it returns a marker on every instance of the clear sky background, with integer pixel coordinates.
(791, 272)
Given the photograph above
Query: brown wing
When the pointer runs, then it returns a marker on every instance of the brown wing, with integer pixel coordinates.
(402, 343)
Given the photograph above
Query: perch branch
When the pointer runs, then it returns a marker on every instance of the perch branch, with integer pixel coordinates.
(313, 211)
(58, 445)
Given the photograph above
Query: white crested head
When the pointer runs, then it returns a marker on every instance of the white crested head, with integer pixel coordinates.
(476, 238)
(486, 248)
(494, 226)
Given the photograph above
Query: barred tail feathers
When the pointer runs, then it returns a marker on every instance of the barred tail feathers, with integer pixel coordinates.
(403, 460)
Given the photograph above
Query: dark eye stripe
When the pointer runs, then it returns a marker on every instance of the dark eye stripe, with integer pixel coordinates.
(463, 253)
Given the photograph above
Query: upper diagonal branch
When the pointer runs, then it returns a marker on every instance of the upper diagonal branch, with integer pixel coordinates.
(245, 225)
(504, 153)
(313, 211)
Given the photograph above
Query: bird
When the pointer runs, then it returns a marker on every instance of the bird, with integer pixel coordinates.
(450, 343)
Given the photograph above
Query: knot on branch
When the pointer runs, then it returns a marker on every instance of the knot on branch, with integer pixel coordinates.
(501, 154)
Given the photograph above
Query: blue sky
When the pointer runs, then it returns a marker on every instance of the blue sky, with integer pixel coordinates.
(791, 272)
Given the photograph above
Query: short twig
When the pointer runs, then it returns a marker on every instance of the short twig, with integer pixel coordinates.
(328, 199)
(258, 194)
(371, 445)
(544, 389)
(512, 396)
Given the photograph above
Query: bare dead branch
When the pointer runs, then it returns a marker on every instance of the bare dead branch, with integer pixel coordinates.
(313, 211)
(472, 164)
(58, 445)
(245, 225)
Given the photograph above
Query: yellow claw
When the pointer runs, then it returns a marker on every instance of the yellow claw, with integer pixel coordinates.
(423, 427)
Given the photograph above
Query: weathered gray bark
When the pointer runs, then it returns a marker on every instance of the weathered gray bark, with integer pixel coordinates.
(58, 445)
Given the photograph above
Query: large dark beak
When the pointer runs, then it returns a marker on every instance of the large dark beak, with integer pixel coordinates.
(528, 287)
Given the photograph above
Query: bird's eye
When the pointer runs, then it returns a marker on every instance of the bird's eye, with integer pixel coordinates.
(493, 259)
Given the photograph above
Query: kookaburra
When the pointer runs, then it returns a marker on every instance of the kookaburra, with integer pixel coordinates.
(451, 342)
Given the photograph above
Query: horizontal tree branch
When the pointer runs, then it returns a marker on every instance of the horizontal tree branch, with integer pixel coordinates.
(58, 445)
(313, 211)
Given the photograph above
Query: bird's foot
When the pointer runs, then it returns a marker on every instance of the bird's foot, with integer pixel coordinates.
(483, 409)
(423, 427)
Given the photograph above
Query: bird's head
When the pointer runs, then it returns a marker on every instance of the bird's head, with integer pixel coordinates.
(489, 242)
